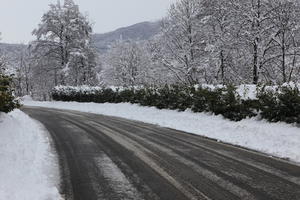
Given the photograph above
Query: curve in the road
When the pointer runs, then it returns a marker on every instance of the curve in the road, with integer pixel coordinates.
(112, 158)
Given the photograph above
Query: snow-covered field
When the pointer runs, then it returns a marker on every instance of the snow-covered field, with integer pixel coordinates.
(277, 139)
(28, 167)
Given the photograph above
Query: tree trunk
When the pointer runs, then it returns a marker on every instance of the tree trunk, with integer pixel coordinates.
(283, 58)
(55, 77)
(257, 27)
(255, 64)
(222, 67)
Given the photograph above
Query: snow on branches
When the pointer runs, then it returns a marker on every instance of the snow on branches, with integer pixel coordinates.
(62, 48)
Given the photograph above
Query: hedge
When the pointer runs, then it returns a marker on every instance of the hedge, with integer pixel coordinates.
(7, 99)
(280, 104)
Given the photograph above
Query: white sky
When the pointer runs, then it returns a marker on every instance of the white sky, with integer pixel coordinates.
(19, 17)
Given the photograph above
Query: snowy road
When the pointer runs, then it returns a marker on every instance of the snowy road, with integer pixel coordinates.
(112, 158)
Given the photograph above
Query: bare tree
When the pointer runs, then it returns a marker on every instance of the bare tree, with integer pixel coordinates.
(182, 42)
(220, 28)
(285, 36)
(127, 64)
(23, 74)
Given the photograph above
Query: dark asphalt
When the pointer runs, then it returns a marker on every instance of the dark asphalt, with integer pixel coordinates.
(112, 158)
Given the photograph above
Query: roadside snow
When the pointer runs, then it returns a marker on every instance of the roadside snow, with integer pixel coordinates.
(28, 168)
(278, 139)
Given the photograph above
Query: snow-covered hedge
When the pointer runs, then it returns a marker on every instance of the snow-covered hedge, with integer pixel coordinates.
(280, 103)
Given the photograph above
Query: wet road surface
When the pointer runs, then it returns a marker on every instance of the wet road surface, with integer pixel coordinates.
(111, 158)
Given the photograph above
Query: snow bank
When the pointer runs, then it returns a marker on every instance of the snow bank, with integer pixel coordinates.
(278, 139)
(28, 169)
(26, 98)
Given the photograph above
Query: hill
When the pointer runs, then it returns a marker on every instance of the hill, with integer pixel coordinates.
(137, 32)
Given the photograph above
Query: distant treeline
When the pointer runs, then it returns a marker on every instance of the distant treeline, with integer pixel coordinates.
(199, 42)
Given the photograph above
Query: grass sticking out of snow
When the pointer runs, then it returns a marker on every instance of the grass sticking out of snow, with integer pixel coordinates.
(28, 168)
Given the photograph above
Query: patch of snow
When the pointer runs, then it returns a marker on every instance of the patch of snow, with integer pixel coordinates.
(85, 89)
(277, 139)
(247, 91)
(26, 98)
(28, 167)
(120, 184)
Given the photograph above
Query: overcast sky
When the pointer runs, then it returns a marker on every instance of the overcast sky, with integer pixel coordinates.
(19, 17)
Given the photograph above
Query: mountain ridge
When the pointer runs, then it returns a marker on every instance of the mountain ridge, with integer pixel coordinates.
(102, 41)
(137, 32)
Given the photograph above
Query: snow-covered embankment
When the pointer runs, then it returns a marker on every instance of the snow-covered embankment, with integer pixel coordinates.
(277, 139)
(28, 167)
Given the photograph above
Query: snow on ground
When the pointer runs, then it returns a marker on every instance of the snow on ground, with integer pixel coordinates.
(278, 139)
(28, 167)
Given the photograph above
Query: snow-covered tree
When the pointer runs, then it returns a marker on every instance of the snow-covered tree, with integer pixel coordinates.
(182, 43)
(7, 98)
(254, 33)
(219, 26)
(23, 75)
(252, 40)
(285, 40)
(221, 41)
(159, 75)
(127, 64)
(64, 39)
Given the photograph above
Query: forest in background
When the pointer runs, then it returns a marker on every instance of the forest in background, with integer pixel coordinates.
(199, 41)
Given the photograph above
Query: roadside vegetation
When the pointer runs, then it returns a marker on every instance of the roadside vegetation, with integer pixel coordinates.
(8, 101)
(274, 104)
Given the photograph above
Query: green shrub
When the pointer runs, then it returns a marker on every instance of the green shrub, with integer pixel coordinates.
(289, 105)
(199, 100)
(282, 104)
(7, 99)
(274, 105)
(164, 99)
(234, 108)
(126, 95)
(223, 101)
(181, 97)
(268, 104)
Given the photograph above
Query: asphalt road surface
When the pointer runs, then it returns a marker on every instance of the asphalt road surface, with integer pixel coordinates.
(111, 158)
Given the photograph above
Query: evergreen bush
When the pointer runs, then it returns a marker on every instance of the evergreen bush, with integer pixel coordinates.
(282, 104)
(7, 99)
